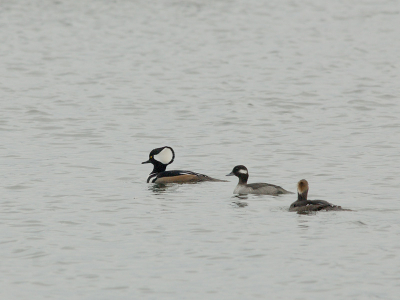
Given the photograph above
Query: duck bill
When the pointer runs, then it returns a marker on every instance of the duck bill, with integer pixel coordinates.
(146, 162)
(230, 174)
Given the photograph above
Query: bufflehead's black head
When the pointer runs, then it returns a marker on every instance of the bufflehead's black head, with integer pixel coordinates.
(161, 158)
(241, 172)
(302, 189)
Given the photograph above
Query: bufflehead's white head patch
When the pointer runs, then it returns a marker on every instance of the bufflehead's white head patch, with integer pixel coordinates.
(243, 171)
(165, 156)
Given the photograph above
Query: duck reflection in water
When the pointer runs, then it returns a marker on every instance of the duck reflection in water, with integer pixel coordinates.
(161, 188)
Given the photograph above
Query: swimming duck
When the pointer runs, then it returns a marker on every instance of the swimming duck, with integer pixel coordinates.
(254, 188)
(304, 205)
(164, 156)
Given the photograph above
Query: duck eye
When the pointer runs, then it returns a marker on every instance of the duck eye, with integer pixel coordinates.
(151, 156)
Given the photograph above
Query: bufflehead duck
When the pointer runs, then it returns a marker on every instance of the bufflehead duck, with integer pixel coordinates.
(254, 188)
(161, 158)
(304, 205)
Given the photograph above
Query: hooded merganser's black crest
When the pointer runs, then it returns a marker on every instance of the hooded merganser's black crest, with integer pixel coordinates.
(161, 158)
(302, 205)
(253, 188)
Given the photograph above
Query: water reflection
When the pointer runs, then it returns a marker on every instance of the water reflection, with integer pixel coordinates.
(303, 223)
(160, 188)
(240, 204)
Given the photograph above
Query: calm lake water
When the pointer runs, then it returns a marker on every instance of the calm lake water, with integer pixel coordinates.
(290, 89)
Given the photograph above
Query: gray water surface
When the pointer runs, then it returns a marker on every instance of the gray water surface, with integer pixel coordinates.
(291, 89)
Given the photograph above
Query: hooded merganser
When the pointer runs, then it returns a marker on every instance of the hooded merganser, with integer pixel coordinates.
(254, 188)
(304, 205)
(161, 158)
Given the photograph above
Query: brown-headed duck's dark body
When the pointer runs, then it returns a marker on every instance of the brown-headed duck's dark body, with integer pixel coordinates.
(302, 205)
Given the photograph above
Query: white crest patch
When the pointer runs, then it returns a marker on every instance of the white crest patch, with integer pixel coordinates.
(165, 156)
(242, 171)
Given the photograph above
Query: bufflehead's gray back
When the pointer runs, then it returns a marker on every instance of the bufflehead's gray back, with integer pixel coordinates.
(161, 158)
(254, 188)
(304, 205)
